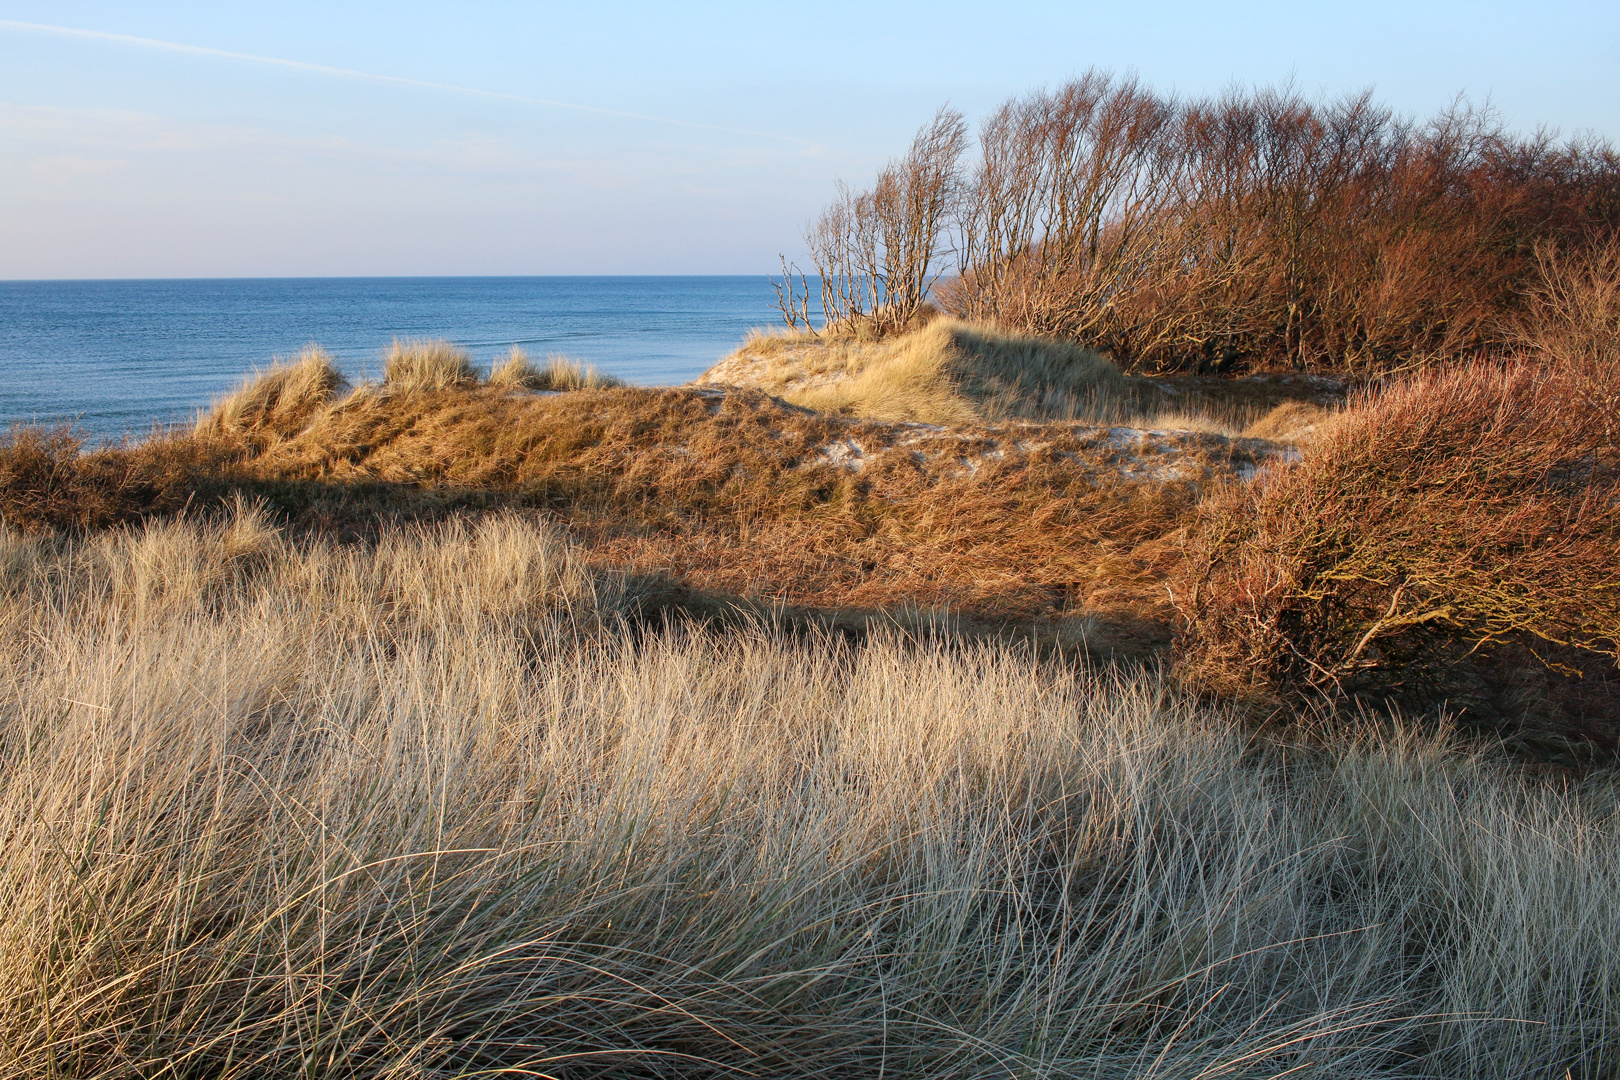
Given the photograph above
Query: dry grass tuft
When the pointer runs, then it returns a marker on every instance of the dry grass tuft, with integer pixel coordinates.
(277, 807)
(761, 341)
(565, 373)
(414, 366)
(1455, 515)
(517, 372)
(279, 402)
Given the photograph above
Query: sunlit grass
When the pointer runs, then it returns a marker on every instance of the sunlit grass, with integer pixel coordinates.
(424, 807)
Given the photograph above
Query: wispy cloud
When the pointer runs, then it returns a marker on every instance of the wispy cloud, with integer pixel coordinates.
(58, 149)
(396, 80)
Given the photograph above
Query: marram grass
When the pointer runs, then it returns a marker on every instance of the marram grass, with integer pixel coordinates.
(277, 807)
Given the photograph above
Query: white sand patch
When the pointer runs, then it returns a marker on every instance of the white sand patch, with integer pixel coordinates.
(1137, 455)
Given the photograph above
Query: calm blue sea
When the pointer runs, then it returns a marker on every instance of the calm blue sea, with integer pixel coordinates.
(117, 357)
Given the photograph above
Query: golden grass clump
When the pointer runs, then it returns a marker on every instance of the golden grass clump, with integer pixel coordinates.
(518, 372)
(515, 372)
(566, 373)
(947, 372)
(276, 806)
(413, 366)
(279, 402)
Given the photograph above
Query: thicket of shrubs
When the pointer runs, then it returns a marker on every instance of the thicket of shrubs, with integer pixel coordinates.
(1255, 229)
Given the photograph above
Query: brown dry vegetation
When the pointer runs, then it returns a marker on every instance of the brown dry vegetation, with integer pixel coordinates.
(732, 496)
(306, 786)
(48, 480)
(1064, 531)
(735, 493)
(1251, 231)
(1363, 571)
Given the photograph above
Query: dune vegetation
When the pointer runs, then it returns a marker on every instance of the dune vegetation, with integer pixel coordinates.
(277, 402)
(1453, 539)
(464, 729)
(948, 372)
(517, 372)
(417, 366)
(953, 373)
(427, 806)
(1168, 658)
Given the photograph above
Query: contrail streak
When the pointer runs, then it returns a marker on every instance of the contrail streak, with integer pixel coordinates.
(397, 80)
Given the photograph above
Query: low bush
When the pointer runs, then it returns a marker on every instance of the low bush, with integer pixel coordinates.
(1573, 306)
(48, 480)
(1438, 528)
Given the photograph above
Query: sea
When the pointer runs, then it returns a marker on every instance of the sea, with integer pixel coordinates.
(117, 358)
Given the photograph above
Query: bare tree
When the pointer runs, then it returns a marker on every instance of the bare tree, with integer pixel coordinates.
(793, 296)
(878, 252)
(1061, 215)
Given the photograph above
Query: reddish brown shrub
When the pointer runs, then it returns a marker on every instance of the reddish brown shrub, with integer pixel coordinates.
(1572, 306)
(1428, 530)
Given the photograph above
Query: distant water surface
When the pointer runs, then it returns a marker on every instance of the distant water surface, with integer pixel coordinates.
(117, 357)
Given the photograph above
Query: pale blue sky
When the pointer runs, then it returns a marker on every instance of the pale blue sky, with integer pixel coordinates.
(124, 159)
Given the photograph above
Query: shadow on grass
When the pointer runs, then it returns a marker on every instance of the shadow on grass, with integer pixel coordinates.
(1541, 709)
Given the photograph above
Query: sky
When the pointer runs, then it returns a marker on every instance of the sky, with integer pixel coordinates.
(180, 139)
